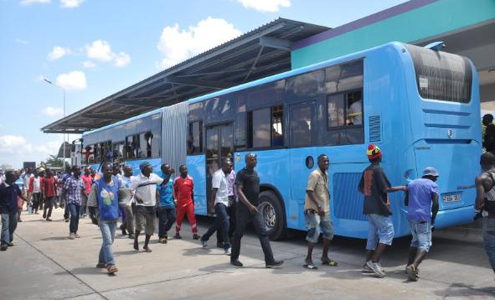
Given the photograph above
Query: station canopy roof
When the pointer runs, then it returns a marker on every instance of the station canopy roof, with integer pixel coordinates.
(259, 53)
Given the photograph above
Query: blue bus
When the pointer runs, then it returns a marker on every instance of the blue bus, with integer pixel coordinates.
(419, 105)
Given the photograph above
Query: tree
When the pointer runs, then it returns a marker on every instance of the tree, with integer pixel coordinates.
(54, 161)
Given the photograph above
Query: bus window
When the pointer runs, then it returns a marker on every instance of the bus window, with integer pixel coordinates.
(195, 140)
(354, 108)
(118, 152)
(277, 125)
(259, 122)
(335, 106)
(345, 118)
(143, 143)
(90, 154)
(301, 126)
(130, 147)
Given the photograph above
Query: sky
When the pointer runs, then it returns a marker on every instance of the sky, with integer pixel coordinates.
(94, 48)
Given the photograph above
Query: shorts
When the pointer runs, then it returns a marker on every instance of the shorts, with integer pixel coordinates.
(317, 225)
(421, 234)
(380, 230)
(145, 218)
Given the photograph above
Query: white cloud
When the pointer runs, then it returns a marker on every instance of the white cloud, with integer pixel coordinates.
(15, 149)
(102, 51)
(29, 2)
(75, 80)
(21, 41)
(89, 64)
(52, 111)
(122, 59)
(58, 52)
(265, 5)
(70, 3)
(178, 45)
(1, 126)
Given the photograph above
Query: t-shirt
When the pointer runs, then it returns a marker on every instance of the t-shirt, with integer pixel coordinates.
(250, 185)
(220, 182)
(318, 183)
(183, 189)
(8, 198)
(88, 181)
(145, 188)
(420, 191)
(373, 183)
(49, 186)
(126, 188)
(167, 194)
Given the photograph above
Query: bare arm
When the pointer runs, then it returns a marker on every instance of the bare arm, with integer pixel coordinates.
(213, 197)
(434, 208)
(394, 189)
(480, 190)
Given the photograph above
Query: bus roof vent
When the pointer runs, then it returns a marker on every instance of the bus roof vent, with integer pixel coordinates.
(375, 129)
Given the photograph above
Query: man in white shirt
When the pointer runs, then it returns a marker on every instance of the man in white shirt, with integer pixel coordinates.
(144, 187)
(220, 198)
(355, 113)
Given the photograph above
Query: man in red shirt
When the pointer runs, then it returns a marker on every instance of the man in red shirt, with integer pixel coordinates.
(49, 190)
(184, 194)
(88, 182)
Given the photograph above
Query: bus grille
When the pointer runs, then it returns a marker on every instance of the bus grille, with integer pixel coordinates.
(348, 202)
(375, 129)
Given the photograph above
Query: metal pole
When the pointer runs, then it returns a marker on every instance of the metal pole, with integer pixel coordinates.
(64, 133)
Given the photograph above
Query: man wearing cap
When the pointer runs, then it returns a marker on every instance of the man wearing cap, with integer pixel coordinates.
(374, 185)
(144, 187)
(422, 201)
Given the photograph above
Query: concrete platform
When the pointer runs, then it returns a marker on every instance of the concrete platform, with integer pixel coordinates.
(45, 264)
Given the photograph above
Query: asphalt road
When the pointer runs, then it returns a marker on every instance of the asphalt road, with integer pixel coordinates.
(45, 264)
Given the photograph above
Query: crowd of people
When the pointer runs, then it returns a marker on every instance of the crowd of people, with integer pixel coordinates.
(139, 201)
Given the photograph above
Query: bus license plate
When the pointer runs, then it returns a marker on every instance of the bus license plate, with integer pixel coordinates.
(452, 198)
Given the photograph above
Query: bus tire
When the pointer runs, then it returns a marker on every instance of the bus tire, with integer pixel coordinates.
(273, 215)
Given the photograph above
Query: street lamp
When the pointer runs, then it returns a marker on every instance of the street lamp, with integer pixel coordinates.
(63, 90)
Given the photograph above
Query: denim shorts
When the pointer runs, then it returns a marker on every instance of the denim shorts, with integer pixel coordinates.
(317, 225)
(380, 230)
(421, 234)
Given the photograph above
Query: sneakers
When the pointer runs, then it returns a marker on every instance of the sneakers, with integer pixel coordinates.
(377, 269)
(77, 236)
(3, 247)
(196, 236)
(177, 236)
(236, 263)
(48, 219)
(228, 251)
(367, 269)
(10, 244)
(66, 220)
(203, 243)
(111, 269)
(101, 265)
(72, 236)
(274, 264)
(412, 272)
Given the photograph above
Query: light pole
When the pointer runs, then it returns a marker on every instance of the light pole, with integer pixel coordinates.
(63, 135)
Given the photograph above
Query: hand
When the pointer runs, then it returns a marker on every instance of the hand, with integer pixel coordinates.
(171, 171)
(253, 209)
(321, 212)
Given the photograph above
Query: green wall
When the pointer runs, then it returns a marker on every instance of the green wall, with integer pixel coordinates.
(426, 21)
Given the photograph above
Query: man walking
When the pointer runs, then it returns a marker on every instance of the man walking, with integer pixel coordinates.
(374, 185)
(317, 213)
(248, 189)
(144, 186)
(73, 188)
(88, 182)
(422, 201)
(63, 201)
(126, 204)
(35, 190)
(166, 210)
(220, 200)
(485, 203)
(49, 193)
(231, 209)
(105, 196)
(184, 194)
(9, 191)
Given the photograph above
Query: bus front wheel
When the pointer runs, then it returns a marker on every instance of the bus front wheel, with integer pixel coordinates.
(273, 215)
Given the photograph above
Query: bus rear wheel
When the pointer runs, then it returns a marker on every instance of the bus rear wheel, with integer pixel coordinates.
(273, 215)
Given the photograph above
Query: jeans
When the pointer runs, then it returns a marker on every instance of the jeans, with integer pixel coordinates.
(9, 224)
(66, 209)
(421, 234)
(244, 216)
(380, 230)
(108, 235)
(231, 212)
(221, 224)
(48, 206)
(74, 217)
(489, 239)
(317, 225)
(166, 218)
(84, 204)
(36, 202)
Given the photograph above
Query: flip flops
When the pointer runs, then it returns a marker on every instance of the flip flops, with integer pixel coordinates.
(310, 266)
(330, 263)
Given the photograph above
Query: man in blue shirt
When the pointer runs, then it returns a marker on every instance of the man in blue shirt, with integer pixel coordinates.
(9, 191)
(422, 202)
(166, 209)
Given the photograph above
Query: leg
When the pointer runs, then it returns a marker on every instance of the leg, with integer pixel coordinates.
(171, 213)
(150, 226)
(192, 218)
(106, 247)
(243, 218)
(12, 226)
(66, 210)
(72, 225)
(5, 231)
(489, 239)
(386, 235)
(181, 211)
(129, 220)
(260, 228)
(312, 235)
(372, 238)
(162, 221)
(424, 240)
(50, 207)
(139, 225)
(76, 217)
(221, 212)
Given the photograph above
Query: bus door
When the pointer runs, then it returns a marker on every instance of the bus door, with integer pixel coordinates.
(219, 145)
(303, 160)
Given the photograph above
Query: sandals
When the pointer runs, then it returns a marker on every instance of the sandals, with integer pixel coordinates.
(330, 263)
(310, 266)
(101, 265)
(112, 269)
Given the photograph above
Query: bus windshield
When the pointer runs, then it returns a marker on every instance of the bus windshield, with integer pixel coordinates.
(440, 75)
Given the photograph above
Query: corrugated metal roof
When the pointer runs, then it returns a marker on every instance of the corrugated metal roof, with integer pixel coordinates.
(256, 54)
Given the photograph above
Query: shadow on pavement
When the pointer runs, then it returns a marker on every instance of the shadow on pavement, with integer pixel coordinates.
(463, 290)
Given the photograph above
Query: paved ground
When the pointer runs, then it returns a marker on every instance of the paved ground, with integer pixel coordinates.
(44, 264)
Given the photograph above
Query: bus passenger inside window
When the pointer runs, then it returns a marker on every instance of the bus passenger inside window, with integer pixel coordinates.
(148, 137)
(129, 147)
(277, 125)
(355, 108)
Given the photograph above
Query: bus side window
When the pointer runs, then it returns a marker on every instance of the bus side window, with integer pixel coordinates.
(300, 126)
(355, 108)
(129, 147)
(259, 123)
(195, 139)
(143, 143)
(277, 125)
